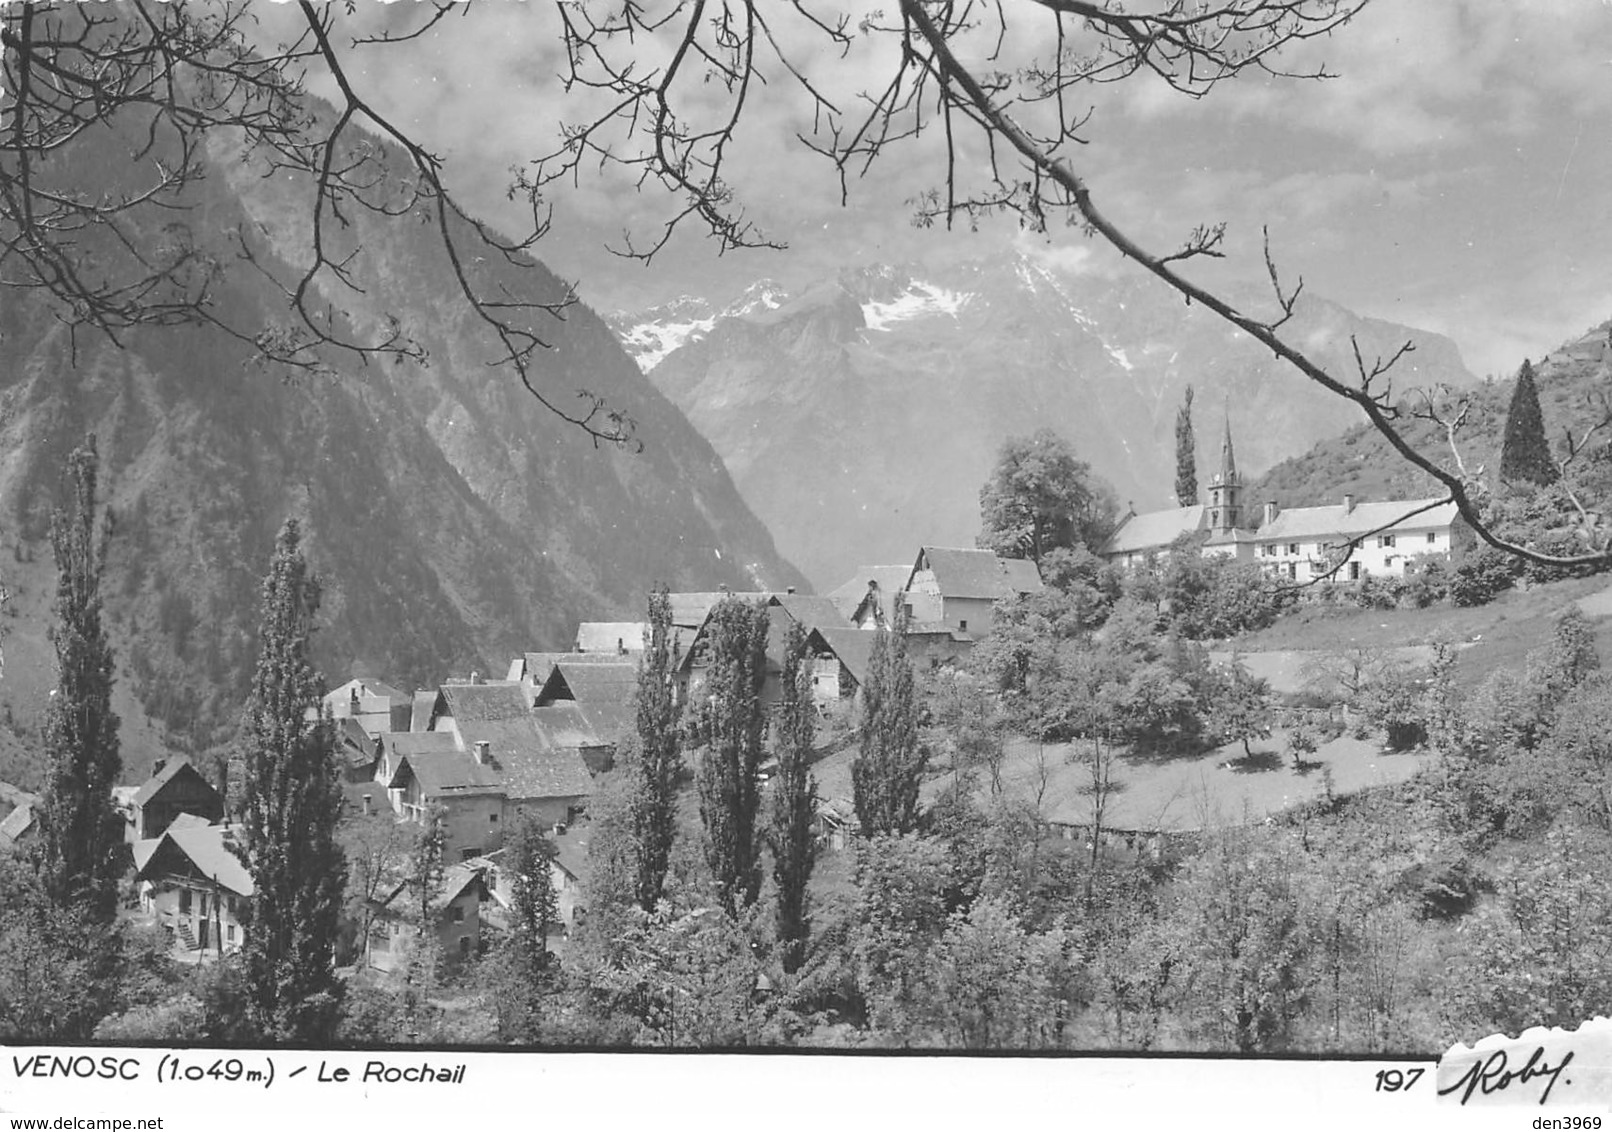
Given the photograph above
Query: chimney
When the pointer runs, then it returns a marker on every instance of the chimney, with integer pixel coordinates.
(790, 590)
(482, 751)
(475, 677)
(1270, 513)
(368, 804)
(621, 646)
(1348, 504)
(157, 765)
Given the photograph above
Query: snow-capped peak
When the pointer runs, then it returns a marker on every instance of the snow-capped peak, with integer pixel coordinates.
(919, 300)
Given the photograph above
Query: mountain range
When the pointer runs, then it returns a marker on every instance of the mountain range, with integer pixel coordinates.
(861, 415)
(454, 522)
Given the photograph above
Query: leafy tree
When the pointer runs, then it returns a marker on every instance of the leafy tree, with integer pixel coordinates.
(1244, 936)
(731, 726)
(81, 834)
(377, 848)
(1525, 456)
(534, 914)
(292, 802)
(58, 962)
(1040, 497)
(794, 800)
(901, 911)
(1186, 455)
(1566, 662)
(659, 759)
(994, 985)
(890, 763)
(1241, 709)
(1303, 740)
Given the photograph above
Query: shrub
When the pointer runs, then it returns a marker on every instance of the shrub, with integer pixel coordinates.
(1482, 575)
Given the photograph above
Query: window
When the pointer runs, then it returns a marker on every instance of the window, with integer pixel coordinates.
(184, 901)
(492, 819)
(962, 626)
(229, 932)
(1431, 538)
(1292, 571)
(458, 913)
(1292, 548)
(1385, 540)
(1354, 571)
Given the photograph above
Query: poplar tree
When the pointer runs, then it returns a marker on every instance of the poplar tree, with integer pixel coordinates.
(659, 757)
(81, 833)
(731, 725)
(794, 800)
(534, 914)
(1524, 452)
(890, 764)
(291, 803)
(1186, 455)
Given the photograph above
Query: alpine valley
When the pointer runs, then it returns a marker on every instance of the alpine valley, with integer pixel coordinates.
(453, 521)
(860, 415)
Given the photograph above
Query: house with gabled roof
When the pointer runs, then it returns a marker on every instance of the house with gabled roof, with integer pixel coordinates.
(455, 910)
(833, 678)
(175, 787)
(1379, 539)
(957, 588)
(1299, 544)
(501, 765)
(606, 693)
(377, 707)
(194, 885)
(610, 638)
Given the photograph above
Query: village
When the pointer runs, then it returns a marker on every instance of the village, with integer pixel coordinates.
(479, 754)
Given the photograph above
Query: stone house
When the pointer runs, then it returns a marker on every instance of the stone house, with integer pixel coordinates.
(193, 884)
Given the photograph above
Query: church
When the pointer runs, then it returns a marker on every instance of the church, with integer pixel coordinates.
(1297, 544)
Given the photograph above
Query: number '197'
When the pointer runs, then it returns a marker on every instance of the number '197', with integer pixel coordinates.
(1396, 1080)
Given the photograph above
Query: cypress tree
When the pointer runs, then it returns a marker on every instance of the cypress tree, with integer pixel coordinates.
(291, 803)
(660, 757)
(890, 764)
(794, 800)
(731, 726)
(1186, 455)
(1524, 452)
(81, 833)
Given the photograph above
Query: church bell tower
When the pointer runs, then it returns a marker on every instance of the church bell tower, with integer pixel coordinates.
(1226, 489)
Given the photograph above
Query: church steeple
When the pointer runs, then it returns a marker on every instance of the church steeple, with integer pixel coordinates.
(1226, 490)
(1228, 459)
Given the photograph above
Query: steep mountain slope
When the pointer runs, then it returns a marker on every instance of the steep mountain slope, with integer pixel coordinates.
(861, 417)
(454, 521)
(1362, 462)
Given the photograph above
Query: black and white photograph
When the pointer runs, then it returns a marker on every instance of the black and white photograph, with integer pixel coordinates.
(873, 532)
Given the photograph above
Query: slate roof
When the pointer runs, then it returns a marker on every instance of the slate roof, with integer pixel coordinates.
(17, 823)
(1023, 576)
(170, 770)
(967, 573)
(571, 851)
(690, 610)
(455, 879)
(354, 745)
(1154, 530)
(603, 636)
(523, 762)
(1312, 523)
(853, 646)
(486, 701)
(537, 665)
(444, 773)
(420, 710)
(811, 610)
(402, 744)
(203, 846)
(565, 724)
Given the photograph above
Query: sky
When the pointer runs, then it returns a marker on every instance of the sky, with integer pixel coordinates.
(1456, 175)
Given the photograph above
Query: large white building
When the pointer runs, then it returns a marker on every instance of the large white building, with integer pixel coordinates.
(1298, 544)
